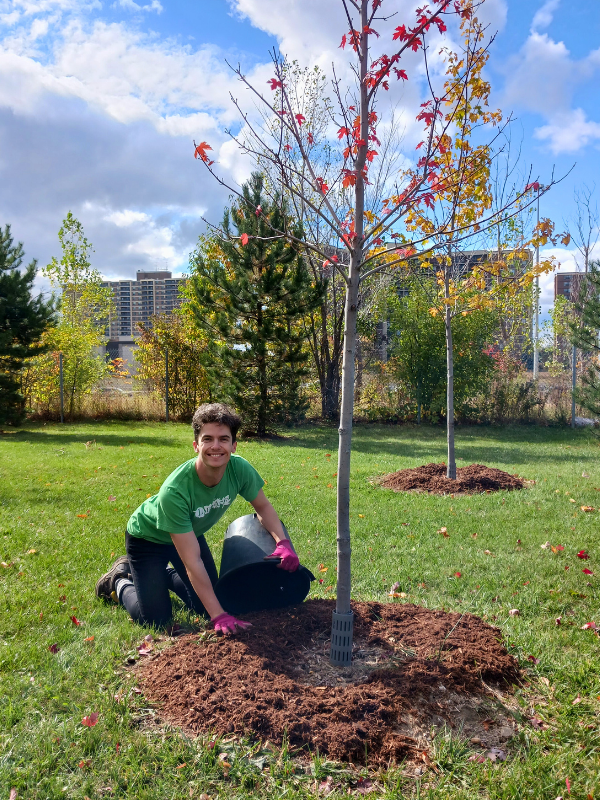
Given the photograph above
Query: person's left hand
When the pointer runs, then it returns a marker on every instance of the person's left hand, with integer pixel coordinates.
(289, 560)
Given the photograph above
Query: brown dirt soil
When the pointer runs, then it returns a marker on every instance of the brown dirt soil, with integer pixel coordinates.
(469, 480)
(275, 680)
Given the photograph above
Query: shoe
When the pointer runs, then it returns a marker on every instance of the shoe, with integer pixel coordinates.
(105, 588)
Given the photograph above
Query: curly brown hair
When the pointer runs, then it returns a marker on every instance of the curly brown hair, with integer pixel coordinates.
(216, 412)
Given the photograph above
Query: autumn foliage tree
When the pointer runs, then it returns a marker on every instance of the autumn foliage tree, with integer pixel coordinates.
(375, 236)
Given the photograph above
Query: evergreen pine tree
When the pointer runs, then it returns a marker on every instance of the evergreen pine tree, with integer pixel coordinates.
(585, 334)
(23, 318)
(250, 289)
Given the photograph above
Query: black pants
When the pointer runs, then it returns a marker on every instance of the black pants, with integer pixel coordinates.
(148, 600)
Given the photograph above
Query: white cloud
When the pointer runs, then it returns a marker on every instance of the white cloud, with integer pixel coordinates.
(568, 132)
(123, 219)
(544, 15)
(130, 5)
(541, 77)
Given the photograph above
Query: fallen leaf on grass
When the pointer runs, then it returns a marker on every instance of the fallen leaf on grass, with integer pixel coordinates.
(5, 565)
(584, 475)
(587, 571)
(458, 574)
(577, 700)
(537, 723)
(364, 786)
(397, 594)
(488, 553)
(496, 754)
(558, 620)
(326, 786)
(75, 621)
(514, 612)
(589, 626)
(85, 764)
(111, 498)
(320, 580)
(89, 639)
(444, 532)
(428, 762)
(54, 648)
(90, 721)
(181, 766)
(587, 509)
(31, 552)
(583, 555)
(568, 785)
(556, 549)
(323, 568)
(533, 659)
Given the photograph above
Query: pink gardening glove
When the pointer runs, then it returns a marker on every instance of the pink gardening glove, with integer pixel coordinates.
(284, 551)
(226, 624)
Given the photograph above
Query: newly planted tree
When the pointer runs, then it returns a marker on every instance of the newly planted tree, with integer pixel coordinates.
(375, 236)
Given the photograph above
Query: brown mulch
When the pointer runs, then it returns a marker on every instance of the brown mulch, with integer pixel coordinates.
(261, 682)
(469, 480)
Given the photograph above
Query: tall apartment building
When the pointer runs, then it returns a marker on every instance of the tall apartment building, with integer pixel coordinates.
(136, 301)
(568, 284)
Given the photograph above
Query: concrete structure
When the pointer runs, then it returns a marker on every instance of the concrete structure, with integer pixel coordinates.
(152, 293)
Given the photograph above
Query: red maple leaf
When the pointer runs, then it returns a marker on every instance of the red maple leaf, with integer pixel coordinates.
(322, 185)
(90, 721)
(299, 118)
(343, 132)
(75, 621)
(366, 29)
(535, 186)
(401, 33)
(244, 239)
(54, 648)
(349, 178)
(275, 84)
(400, 73)
(587, 571)
(310, 138)
(343, 43)
(582, 554)
(200, 152)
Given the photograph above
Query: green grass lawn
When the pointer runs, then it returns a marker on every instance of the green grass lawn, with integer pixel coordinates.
(59, 530)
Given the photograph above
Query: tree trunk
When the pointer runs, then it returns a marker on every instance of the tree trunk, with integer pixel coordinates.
(345, 443)
(451, 469)
(330, 391)
(358, 380)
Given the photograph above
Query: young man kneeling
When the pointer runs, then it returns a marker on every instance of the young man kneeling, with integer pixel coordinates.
(170, 526)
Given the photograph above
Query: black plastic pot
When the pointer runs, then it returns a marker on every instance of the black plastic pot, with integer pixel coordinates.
(249, 583)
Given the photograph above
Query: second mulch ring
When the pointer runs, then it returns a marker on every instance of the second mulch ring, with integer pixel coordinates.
(431, 478)
(414, 669)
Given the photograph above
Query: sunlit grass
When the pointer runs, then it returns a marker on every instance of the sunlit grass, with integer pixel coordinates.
(59, 528)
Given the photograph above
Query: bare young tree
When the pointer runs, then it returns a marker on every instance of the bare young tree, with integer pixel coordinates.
(387, 237)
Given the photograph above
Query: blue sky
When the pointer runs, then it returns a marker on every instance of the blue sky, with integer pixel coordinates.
(100, 102)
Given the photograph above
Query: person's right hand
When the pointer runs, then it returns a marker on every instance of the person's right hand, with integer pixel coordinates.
(227, 624)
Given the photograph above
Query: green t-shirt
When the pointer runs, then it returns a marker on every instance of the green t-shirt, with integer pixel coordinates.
(184, 503)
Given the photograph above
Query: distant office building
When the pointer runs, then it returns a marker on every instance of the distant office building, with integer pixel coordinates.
(568, 284)
(152, 293)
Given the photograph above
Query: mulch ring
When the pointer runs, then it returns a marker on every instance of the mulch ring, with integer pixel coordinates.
(469, 480)
(412, 668)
